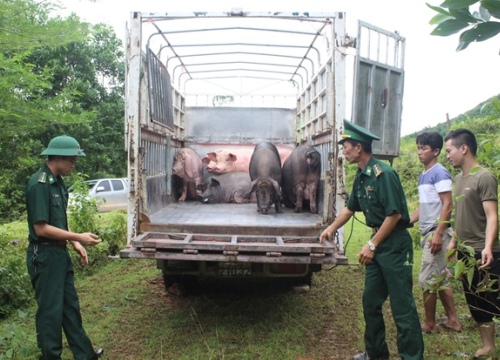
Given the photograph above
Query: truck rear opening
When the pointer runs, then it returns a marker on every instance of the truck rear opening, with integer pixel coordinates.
(210, 81)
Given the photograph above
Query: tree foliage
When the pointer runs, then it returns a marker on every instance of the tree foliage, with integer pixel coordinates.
(57, 76)
(454, 16)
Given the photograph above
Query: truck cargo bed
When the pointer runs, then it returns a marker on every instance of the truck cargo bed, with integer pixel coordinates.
(232, 233)
(240, 219)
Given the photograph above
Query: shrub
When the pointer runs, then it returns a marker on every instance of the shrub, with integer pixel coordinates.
(16, 343)
(15, 286)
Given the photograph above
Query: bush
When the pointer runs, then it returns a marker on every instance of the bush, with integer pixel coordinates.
(83, 217)
(15, 286)
(16, 343)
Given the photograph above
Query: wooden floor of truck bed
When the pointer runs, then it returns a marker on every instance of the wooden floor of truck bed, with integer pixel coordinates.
(196, 217)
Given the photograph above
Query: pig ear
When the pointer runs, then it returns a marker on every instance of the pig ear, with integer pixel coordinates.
(276, 187)
(252, 185)
(189, 170)
(212, 156)
(232, 157)
(205, 160)
(214, 182)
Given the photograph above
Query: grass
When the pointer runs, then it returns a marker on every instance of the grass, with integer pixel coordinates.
(127, 312)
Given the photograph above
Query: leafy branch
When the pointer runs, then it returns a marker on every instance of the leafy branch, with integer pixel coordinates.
(454, 16)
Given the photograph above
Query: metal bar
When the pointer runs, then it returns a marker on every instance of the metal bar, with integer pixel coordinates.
(303, 16)
(239, 53)
(249, 77)
(240, 62)
(239, 28)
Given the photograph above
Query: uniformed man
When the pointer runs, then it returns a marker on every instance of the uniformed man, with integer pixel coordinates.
(48, 261)
(388, 255)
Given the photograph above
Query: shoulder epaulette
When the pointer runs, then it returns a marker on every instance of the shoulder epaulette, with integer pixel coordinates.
(42, 178)
(377, 170)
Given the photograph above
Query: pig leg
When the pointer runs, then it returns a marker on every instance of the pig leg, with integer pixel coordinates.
(240, 197)
(313, 189)
(277, 205)
(184, 191)
(299, 191)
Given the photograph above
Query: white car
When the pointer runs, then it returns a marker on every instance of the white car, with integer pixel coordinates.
(111, 194)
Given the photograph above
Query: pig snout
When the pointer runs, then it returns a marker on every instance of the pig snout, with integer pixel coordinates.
(204, 199)
(264, 210)
(178, 170)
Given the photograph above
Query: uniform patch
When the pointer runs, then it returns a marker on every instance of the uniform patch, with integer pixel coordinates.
(377, 170)
(42, 178)
(368, 170)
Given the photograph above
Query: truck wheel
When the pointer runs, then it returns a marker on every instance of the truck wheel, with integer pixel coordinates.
(181, 285)
(169, 280)
(298, 281)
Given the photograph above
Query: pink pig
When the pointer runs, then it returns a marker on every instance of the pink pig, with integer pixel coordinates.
(236, 159)
(188, 166)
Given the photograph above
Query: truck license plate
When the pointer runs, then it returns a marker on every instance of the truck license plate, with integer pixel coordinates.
(226, 269)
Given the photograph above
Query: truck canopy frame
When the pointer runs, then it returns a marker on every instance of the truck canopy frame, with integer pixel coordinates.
(237, 78)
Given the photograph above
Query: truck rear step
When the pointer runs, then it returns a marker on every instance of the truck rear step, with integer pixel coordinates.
(234, 248)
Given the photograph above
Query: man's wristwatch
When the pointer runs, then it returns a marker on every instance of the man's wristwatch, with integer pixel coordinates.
(371, 245)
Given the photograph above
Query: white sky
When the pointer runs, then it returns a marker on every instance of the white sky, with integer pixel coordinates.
(438, 79)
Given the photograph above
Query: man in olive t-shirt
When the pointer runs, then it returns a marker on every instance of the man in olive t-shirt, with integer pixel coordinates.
(476, 224)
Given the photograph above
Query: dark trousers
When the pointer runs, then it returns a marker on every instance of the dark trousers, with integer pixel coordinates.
(390, 275)
(52, 278)
(483, 305)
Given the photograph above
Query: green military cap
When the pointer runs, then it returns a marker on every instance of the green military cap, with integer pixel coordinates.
(357, 133)
(63, 145)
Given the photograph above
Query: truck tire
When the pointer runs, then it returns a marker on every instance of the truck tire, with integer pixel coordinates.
(181, 285)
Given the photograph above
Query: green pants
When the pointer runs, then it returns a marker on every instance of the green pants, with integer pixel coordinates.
(390, 274)
(52, 278)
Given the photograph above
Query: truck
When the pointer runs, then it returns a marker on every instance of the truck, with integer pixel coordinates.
(211, 81)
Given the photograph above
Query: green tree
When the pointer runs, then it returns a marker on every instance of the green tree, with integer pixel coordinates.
(455, 15)
(93, 69)
(56, 76)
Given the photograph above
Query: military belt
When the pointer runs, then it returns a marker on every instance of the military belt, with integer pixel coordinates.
(60, 243)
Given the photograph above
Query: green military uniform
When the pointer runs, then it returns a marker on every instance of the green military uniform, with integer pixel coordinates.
(51, 272)
(378, 193)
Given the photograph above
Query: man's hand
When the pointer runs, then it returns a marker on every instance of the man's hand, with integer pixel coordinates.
(327, 234)
(486, 258)
(452, 246)
(88, 239)
(365, 256)
(436, 244)
(81, 251)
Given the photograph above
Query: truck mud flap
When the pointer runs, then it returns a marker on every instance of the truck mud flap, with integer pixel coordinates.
(233, 248)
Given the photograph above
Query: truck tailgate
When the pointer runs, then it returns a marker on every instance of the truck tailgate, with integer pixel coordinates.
(232, 233)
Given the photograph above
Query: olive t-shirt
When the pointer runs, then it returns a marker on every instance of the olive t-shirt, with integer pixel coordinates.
(470, 193)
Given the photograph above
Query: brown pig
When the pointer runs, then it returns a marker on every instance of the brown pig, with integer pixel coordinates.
(188, 167)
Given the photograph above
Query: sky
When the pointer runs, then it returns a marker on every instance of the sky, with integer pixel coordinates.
(438, 79)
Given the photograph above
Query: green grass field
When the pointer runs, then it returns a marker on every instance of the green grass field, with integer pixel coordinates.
(127, 311)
